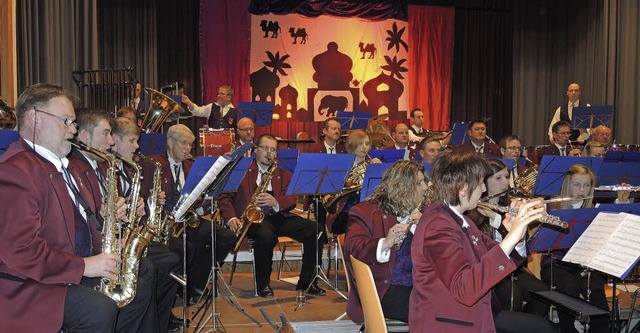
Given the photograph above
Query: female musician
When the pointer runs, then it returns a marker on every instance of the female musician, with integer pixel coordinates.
(513, 292)
(571, 279)
(376, 227)
(358, 143)
(455, 266)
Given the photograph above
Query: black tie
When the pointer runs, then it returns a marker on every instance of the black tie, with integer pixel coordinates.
(125, 182)
(178, 185)
(331, 150)
(83, 233)
(101, 182)
(562, 153)
(479, 149)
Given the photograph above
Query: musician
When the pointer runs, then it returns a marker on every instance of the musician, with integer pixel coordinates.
(400, 135)
(561, 146)
(455, 266)
(601, 134)
(480, 142)
(511, 148)
(138, 102)
(513, 291)
(128, 112)
(48, 259)
(278, 221)
(594, 149)
(175, 168)
(429, 149)
(417, 133)
(375, 227)
(565, 112)
(221, 114)
(245, 132)
(331, 143)
(568, 278)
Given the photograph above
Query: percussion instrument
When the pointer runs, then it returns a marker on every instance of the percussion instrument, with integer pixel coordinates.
(217, 142)
(619, 147)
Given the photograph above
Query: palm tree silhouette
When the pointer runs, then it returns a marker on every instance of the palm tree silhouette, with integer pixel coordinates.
(394, 67)
(395, 38)
(277, 63)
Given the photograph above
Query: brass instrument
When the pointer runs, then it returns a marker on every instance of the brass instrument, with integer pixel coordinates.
(253, 213)
(546, 218)
(352, 184)
(525, 181)
(160, 108)
(123, 290)
(7, 116)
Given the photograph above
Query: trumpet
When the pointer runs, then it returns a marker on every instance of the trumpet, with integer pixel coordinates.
(546, 218)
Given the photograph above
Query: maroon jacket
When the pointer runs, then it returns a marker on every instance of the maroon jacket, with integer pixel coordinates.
(167, 176)
(37, 242)
(367, 224)
(490, 149)
(548, 150)
(232, 205)
(453, 274)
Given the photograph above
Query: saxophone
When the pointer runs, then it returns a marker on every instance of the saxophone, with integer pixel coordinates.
(352, 184)
(156, 219)
(253, 213)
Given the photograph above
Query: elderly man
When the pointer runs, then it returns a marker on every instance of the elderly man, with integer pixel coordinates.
(221, 114)
(50, 261)
(480, 142)
(565, 112)
(601, 134)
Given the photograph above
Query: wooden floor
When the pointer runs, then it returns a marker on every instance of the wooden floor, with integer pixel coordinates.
(323, 310)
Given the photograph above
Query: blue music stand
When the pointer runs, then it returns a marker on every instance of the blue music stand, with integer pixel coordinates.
(552, 170)
(287, 159)
(591, 116)
(621, 156)
(372, 177)
(427, 169)
(353, 120)
(260, 112)
(387, 155)
(459, 134)
(508, 162)
(317, 174)
(153, 143)
(6, 138)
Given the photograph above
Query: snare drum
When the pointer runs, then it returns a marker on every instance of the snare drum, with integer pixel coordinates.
(217, 142)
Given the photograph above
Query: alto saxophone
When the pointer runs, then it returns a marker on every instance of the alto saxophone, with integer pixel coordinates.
(253, 213)
(352, 184)
(156, 219)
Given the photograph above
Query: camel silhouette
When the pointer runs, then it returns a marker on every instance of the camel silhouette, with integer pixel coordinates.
(368, 48)
(301, 32)
(270, 26)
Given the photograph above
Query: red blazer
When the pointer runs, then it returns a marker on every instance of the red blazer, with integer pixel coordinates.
(490, 149)
(367, 224)
(547, 150)
(453, 275)
(167, 176)
(232, 205)
(321, 149)
(37, 241)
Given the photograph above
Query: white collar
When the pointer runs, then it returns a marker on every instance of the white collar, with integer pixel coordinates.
(49, 155)
(465, 224)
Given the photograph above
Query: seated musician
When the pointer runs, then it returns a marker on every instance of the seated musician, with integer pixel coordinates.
(331, 143)
(175, 168)
(593, 149)
(429, 149)
(513, 291)
(416, 132)
(568, 278)
(245, 132)
(480, 142)
(50, 261)
(561, 146)
(380, 233)
(601, 134)
(400, 135)
(456, 266)
(359, 144)
(278, 219)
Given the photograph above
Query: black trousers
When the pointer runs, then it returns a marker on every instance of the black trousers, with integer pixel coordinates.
(265, 237)
(572, 281)
(519, 322)
(395, 302)
(165, 261)
(200, 267)
(522, 286)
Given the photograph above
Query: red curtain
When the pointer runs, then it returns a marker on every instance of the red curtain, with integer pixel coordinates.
(431, 35)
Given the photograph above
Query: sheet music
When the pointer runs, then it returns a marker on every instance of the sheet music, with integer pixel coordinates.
(610, 244)
(207, 179)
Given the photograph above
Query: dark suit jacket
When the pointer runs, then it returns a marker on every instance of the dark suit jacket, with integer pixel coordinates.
(228, 121)
(547, 150)
(367, 224)
(321, 149)
(232, 205)
(37, 242)
(453, 275)
(490, 149)
(167, 177)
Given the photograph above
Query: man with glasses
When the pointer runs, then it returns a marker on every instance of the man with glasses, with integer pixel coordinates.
(50, 246)
(221, 114)
(561, 146)
(602, 134)
(278, 221)
(245, 132)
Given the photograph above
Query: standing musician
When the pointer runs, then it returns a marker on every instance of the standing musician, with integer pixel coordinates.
(376, 226)
(565, 112)
(480, 142)
(278, 219)
(49, 261)
(175, 168)
(417, 133)
(221, 114)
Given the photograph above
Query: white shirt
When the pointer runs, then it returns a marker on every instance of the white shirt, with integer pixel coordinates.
(556, 116)
(329, 148)
(261, 170)
(383, 255)
(173, 163)
(205, 111)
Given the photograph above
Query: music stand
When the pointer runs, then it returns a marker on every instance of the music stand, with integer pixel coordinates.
(317, 175)
(459, 134)
(427, 168)
(617, 173)
(552, 170)
(388, 155)
(259, 112)
(372, 177)
(6, 138)
(584, 117)
(353, 120)
(288, 159)
(153, 143)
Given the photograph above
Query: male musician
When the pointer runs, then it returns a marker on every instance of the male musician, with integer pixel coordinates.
(565, 112)
(416, 131)
(175, 168)
(601, 134)
(560, 144)
(331, 143)
(221, 114)
(245, 132)
(429, 149)
(50, 261)
(480, 142)
(128, 112)
(278, 221)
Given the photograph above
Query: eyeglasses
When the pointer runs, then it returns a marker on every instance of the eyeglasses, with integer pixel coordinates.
(601, 135)
(183, 143)
(223, 94)
(267, 148)
(513, 148)
(67, 122)
(248, 129)
(564, 133)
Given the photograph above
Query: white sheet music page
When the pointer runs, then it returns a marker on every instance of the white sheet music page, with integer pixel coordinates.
(610, 244)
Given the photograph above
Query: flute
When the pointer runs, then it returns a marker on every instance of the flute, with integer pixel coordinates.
(546, 218)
